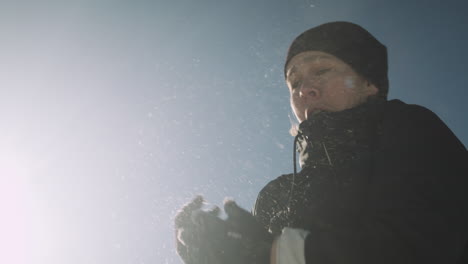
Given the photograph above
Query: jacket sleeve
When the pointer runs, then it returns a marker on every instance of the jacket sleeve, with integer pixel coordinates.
(416, 209)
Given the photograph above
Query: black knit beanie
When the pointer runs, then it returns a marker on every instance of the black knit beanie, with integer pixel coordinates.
(352, 44)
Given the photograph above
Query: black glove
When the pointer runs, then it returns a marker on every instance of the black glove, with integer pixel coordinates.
(239, 239)
(191, 243)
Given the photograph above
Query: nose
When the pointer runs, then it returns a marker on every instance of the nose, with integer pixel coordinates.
(309, 91)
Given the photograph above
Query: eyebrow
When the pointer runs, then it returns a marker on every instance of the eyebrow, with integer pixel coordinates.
(307, 59)
(315, 57)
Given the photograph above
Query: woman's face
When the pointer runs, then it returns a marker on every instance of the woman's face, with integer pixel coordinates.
(319, 81)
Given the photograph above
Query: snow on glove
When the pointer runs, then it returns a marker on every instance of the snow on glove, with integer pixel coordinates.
(190, 235)
(238, 239)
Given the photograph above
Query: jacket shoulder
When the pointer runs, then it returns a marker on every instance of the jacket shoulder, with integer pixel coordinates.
(416, 123)
(409, 112)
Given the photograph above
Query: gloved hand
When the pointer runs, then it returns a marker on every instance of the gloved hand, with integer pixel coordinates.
(191, 243)
(205, 238)
(239, 239)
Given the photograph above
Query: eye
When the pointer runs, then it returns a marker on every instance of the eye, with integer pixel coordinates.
(294, 81)
(294, 84)
(322, 71)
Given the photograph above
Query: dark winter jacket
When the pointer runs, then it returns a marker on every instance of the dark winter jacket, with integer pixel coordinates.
(385, 182)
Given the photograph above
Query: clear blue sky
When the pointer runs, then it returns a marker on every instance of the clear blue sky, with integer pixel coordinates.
(115, 113)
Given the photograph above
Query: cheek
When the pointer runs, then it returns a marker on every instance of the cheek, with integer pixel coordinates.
(294, 101)
(343, 87)
(349, 82)
(297, 103)
(295, 107)
(336, 89)
(338, 93)
(294, 96)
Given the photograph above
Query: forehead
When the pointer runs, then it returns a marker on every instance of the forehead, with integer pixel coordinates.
(308, 58)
